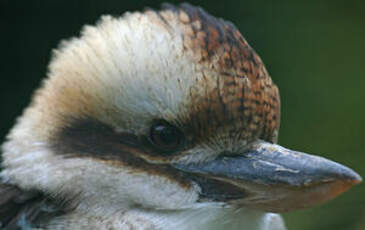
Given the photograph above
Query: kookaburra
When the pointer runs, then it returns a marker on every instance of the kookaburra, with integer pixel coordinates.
(155, 121)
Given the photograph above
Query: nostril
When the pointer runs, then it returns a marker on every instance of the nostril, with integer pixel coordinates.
(230, 154)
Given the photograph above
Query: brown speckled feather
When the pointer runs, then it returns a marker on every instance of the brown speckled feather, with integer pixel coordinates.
(242, 93)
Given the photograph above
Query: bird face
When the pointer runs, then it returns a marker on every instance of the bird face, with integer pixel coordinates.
(167, 109)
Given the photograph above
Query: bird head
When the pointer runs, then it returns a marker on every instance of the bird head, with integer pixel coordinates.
(166, 109)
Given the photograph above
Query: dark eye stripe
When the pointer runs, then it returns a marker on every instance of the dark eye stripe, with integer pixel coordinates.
(93, 139)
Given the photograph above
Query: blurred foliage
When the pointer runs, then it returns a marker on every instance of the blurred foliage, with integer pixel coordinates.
(314, 51)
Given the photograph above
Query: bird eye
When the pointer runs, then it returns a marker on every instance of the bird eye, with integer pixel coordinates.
(166, 137)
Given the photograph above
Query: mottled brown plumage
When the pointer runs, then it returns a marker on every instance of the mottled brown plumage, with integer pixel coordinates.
(238, 91)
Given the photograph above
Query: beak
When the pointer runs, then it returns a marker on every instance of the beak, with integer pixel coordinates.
(271, 178)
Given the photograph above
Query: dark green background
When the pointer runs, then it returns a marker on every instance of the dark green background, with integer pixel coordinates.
(313, 49)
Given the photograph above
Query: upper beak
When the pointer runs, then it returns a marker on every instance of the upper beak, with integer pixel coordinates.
(272, 178)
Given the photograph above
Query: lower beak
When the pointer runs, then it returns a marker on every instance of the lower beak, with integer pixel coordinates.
(271, 178)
